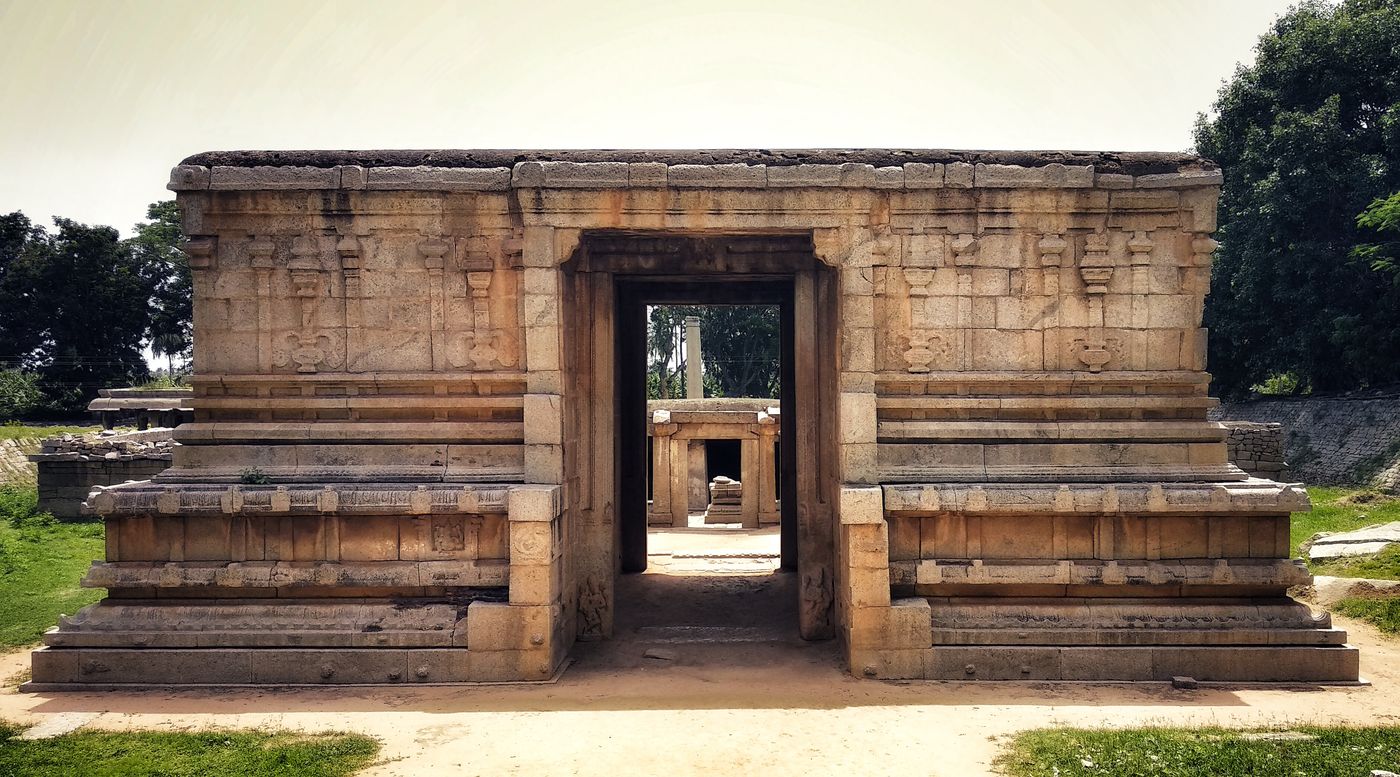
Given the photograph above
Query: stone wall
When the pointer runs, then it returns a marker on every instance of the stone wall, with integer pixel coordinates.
(1343, 439)
(15, 466)
(1002, 463)
(1257, 448)
(71, 465)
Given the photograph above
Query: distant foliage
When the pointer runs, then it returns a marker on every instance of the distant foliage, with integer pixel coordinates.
(19, 394)
(1382, 221)
(77, 306)
(739, 349)
(1308, 137)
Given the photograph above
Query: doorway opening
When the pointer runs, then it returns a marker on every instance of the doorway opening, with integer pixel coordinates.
(713, 377)
(612, 283)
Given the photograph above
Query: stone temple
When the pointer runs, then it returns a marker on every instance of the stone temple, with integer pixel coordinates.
(419, 450)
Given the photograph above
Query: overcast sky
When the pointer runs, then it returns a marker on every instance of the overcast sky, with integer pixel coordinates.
(99, 98)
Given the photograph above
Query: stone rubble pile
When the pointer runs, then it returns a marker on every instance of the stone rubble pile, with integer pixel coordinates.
(152, 444)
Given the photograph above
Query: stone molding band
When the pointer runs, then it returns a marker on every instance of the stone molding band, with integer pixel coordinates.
(659, 175)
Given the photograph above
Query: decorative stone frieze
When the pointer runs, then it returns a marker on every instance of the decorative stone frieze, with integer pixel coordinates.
(412, 370)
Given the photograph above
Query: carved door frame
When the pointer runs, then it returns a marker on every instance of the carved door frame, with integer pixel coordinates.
(608, 283)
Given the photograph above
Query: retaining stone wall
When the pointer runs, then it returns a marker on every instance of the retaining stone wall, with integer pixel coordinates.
(1339, 439)
(69, 466)
(15, 466)
(1257, 449)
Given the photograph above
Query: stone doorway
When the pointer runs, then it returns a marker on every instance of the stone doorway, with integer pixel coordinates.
(620, 275)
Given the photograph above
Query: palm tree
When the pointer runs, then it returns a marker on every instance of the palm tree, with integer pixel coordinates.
(169, 345)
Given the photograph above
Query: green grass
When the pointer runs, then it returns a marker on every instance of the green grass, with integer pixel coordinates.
(1382, 566)
(1305, 752)
(41, 562)
(18, 431)
(1342, 509)
(195, 754)
(1383, 612)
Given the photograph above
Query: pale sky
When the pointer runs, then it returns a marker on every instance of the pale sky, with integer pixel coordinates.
(99, 98)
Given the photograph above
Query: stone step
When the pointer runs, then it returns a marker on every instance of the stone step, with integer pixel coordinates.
(711, 635)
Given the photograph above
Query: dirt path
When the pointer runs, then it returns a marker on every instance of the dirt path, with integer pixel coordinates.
(799, 717)
(766, 707)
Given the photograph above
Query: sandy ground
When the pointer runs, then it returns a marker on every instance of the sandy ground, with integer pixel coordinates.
(735, 699)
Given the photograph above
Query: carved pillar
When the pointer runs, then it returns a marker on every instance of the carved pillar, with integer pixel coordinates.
(308, 347)
(680, 479)
(1052, 247)
(662, 429)
(964, 258)
(477, 260)
(433, 251)
(749, 478)
(767, 486)
(1140, 260)
(1096, 268)
(260, 252)
(350, 251)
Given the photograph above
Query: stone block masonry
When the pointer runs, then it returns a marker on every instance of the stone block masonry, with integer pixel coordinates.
(1257, 449)
(409, 457)
(70, 466)
(1350, 439)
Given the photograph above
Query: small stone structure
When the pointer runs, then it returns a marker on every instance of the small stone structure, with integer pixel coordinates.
(726, 501)
(164, 408)
(1257, 448)
(677, 425)
(996, 462)
(70, 466)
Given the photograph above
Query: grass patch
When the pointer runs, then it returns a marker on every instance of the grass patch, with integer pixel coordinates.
(1383, 612)
(18, 431)
(1306, 752)
(195, 754)
(1338, 509)
(1382, 566)
(41, 562)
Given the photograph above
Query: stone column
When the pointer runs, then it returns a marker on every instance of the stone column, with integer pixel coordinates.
(544, 458)
(697, 476)
(662, 429)
(694, 382)
(748, 470)
(680, 480)
(767, 485)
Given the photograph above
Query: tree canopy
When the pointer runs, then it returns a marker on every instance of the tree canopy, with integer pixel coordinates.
(77, 306)
(1308, 137)
(739, 348)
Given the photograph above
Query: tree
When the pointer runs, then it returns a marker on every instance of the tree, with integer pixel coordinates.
(1382, 219)
(19, 304)
(740, 346)
(76, 308)
(1307, 137)
(157, 247)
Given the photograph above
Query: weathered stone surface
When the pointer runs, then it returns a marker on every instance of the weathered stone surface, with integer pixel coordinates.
(1361, 542)
(437, 179)
(409, 397)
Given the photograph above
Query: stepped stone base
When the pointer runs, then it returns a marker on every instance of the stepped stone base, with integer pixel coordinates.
(1332, 664)
(58, 669)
